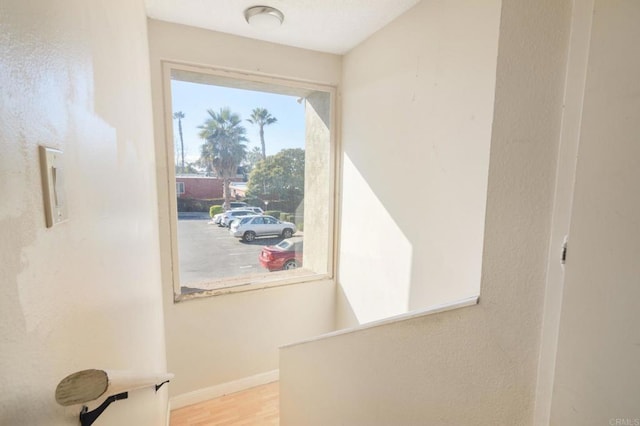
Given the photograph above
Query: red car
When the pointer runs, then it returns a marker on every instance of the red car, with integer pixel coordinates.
(285, 255)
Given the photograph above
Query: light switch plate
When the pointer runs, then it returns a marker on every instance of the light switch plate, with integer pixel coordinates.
(52, 170)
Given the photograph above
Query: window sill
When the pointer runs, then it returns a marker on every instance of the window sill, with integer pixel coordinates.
(248, 283)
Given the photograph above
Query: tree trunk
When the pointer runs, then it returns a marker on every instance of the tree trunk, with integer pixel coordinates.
(181, 142)
(264, 148)
(226, 191)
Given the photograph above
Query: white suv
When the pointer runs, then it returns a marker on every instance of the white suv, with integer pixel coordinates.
(231, 215)
(217, 219)
(234, 205)
(257, 210)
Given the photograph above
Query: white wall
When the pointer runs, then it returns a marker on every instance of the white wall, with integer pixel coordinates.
(417, 113)
(86, 293)
(477, 365)
(216, 340)
(597, 374)
(582, 12)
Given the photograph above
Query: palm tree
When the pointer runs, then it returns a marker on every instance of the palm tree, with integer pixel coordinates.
(261, 117)
(179, 115)
(224, 147)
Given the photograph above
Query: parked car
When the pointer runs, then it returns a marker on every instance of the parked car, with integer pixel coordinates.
(283, 256)
(230, 215)
(234, 205)
(217, 219)
(248, 228)
(257, 210)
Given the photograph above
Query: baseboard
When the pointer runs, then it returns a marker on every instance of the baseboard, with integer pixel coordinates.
(216, 391)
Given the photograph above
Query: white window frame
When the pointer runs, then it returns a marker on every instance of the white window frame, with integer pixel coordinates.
(267, 279)
(180, 188)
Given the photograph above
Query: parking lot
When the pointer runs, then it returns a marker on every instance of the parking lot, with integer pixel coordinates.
(207, 252)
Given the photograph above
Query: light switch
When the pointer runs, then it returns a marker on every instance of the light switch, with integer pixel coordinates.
(52, 169)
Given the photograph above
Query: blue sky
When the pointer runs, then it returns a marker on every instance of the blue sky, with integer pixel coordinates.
(194, 99)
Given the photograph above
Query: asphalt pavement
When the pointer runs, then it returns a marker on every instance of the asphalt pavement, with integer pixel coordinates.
(208, 252)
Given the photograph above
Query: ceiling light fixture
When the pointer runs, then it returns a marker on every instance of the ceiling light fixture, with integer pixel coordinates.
(264, 17)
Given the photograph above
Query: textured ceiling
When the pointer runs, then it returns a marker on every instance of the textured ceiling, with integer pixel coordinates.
(333, 26)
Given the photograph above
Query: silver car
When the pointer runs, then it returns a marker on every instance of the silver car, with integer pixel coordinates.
(217, 219)
(231, 215)
(250, 227)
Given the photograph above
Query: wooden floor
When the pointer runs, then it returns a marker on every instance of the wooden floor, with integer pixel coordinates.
(256, 406)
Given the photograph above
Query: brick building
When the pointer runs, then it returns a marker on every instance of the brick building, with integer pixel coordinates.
(200, 187)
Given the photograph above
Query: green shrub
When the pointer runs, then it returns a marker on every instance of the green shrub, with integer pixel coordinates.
(195, 204)
(214, 210)
(286, 217)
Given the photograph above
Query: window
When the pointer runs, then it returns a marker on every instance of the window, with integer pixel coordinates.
(264, 147)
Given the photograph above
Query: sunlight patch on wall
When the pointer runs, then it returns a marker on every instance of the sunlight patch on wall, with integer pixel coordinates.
(376, 278)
